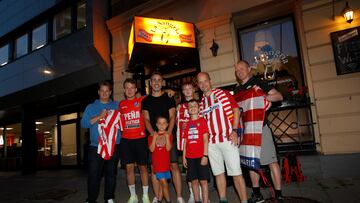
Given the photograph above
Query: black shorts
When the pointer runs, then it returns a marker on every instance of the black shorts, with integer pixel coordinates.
(195, 171)
(134, 150)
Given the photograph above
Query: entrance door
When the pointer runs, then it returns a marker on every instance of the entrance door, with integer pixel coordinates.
(68, 144)
(68, 132)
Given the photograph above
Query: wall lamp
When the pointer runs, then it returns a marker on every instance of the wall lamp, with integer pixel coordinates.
(348, 13)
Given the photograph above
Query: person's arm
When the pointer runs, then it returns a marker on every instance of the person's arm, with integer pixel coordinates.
(152, 145)
(168, 142)
(95, 119)
(87, 120)
(184, 156)
(273, 95)
(236, 120)
(205, 158)
(147, 122)
(172, 116)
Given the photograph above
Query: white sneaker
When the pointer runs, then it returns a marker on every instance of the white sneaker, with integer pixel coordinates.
(191, 199)
(110, 201)
(180, 200)
(145, 199)
(155, 200)
(133, 199)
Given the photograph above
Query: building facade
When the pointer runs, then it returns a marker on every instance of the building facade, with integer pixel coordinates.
(296, 33)
(52, 55)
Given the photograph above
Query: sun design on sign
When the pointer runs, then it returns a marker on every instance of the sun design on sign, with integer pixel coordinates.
(166, 29)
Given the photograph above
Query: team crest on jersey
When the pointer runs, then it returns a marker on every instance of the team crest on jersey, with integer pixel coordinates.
(136, 104)
(123, 107)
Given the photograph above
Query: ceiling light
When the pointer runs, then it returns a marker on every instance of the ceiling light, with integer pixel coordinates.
(47, 72)
(39, 122)
(47, 132)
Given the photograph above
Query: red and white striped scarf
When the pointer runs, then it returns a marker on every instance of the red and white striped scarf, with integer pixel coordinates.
(182, 118)
(108, 131)
(253, 105)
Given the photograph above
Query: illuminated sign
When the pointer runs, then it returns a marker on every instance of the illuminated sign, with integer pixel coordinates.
(161, 32)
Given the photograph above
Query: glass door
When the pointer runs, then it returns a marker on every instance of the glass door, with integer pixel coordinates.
(68, 144)
(69, 131)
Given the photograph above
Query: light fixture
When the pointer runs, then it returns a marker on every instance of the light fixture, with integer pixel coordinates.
(39, 122)
(47, 132)
(214, 48)
(47, 71)
(348, 13)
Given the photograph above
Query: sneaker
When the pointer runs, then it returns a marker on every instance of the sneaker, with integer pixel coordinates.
(280, 199)
(191, 199)
(180, 200)
(223, 201)
(145, 199)
(133, 199)
(155, 200)
(110, 201)
(256, 198)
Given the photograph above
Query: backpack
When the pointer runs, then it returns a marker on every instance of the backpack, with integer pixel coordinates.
(291, 169)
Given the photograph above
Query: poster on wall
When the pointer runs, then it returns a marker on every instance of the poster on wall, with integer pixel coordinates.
(346, 48)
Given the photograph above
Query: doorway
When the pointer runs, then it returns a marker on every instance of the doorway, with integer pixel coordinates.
(69, 136)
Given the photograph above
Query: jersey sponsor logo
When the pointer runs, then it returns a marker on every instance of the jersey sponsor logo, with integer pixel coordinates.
(211, 108)
(132, 115)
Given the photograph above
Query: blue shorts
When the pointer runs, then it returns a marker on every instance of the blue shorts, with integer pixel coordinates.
(162, 175)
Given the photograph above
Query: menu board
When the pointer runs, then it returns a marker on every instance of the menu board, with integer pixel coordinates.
(346, 47)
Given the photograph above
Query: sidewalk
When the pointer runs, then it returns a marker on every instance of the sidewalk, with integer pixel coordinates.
(69, 186)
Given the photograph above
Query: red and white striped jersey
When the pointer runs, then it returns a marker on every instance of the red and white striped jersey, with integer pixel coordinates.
(108, 131)
(182, 118)
(217, 109)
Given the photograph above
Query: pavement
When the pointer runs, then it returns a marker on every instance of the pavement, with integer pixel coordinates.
(70, 186)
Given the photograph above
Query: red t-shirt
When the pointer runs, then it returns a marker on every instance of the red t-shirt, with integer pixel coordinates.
(160, 157)
(194, 136)
(132, 119)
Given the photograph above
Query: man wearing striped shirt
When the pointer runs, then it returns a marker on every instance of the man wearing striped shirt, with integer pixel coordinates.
(222, 114)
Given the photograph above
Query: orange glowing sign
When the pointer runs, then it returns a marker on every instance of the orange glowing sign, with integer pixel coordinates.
(161, 32)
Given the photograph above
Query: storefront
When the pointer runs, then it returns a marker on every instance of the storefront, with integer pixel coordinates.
(288, 43)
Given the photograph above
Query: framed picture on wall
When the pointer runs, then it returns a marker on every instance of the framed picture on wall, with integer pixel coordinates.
(346, 48)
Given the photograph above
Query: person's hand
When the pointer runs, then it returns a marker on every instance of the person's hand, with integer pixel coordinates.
(102, 114)
(170, 92)
(185, 162)
(234, 138)
(204, 161)
(256, 87)
(155, 135)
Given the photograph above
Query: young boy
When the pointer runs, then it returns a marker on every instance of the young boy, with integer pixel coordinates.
(195, 155)
(160, 146)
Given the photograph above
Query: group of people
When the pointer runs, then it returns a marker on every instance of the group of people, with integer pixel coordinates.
(209, 132)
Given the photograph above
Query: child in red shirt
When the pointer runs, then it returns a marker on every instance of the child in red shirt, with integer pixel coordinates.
(195, 155)
(159, 145)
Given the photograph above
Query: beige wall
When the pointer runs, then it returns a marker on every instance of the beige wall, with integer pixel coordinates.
(336, 97)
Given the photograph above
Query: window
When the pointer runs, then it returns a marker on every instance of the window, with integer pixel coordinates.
(39, 38)
(81, 15)
(62, 24)
(272, 50)
(4, 55)
(21, 46)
